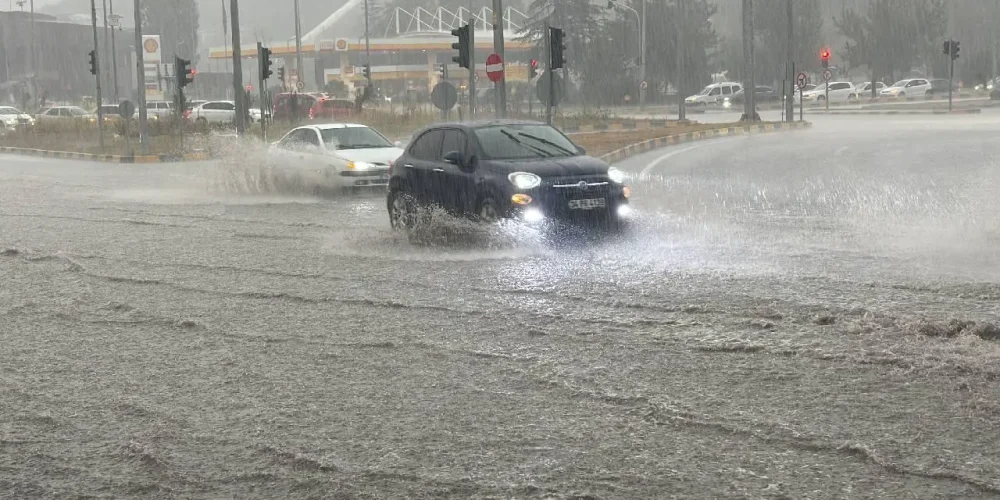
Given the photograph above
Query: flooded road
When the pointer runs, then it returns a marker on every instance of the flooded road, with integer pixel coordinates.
(809, 314)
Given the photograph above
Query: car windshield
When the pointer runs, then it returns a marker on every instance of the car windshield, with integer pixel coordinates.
(819, 88)
(7, 110)
(900, 83)
(354, 138)
(706, 90)
(512, 142)
(77, 111)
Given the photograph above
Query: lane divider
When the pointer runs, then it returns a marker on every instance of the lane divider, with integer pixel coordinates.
(69, 155)
(659, 142)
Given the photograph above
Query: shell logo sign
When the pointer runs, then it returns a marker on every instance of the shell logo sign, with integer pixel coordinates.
(151, 45)
(151, 48)
(341, 44)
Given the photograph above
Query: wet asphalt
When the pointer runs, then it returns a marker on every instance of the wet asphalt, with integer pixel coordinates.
(809, 314)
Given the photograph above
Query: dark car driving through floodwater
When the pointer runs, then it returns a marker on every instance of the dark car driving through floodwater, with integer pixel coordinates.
(496, 170)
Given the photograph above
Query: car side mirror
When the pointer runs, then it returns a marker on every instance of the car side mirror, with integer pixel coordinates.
(455, 158)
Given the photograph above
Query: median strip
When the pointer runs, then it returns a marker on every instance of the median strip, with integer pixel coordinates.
(70, 155)
(732, 130)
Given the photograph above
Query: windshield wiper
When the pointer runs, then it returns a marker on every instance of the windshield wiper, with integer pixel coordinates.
(541, 152)
(546, 142)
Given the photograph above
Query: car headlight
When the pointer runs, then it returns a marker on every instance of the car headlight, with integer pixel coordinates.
(359, 165)
(617, 176)
(524, 180)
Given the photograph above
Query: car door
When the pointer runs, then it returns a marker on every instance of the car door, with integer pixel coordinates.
(457, 181)
(420, 163)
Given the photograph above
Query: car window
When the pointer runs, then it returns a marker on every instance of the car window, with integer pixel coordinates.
(428, 145)
(512, 142)
(9, 111)
(716, 91)
(727, 90)
(309, 137)
(454, 140)
(839, 86)
(227, 106)
(354, 138)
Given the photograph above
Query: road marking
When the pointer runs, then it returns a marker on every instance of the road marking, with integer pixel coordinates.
(653, 164)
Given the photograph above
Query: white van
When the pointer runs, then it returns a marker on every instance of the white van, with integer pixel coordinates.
(714, 93)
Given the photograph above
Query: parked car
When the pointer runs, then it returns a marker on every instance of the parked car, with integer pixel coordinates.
(762, 93)
(12, 118)
(217, 112)
(839, 92)
(285, 102)
(714, 94)
(908, 89)
(331, 109)
(65, 113)
(939, 87)
(865, 88)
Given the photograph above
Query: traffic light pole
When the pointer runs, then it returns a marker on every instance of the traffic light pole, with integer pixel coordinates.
(262, 64)
(501, 85)
(550, 75)
(238, 91)
(97, 76)
(951, 70)
(472, 68)
(140, 76)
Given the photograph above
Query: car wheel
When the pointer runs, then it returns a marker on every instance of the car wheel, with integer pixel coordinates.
(821, 98)
(929, 94)
(902, 95)
(488, 210)
(402, 210)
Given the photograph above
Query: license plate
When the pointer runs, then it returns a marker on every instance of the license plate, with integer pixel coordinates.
(588, 204)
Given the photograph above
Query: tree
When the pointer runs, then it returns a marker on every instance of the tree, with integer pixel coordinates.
(668, 22)
(581, 22)
(771, 37)
(177, 24)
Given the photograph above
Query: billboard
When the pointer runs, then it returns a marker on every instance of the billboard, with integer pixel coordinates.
(152, 57)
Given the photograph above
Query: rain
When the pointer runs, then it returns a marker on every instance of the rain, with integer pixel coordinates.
(312, 249)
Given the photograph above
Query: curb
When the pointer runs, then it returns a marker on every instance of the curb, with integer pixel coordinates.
(619, 125)
(69, 155)
(659, 142)
(972, 111)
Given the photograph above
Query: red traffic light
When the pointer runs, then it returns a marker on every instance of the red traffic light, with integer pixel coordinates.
(824, 54)
(534, 63)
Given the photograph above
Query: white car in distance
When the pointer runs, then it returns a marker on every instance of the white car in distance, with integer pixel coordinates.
(908, 89)
(839, 92)
(343, 155)
(217, 112)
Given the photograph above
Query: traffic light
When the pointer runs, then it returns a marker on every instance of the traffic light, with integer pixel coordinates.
(367, 72)
(533, 69)
(954, 50)
(443, 71)
(184, 73)
(557, 48)
(947, 47)
(464, 46)
(93, 62)
(824, 58)
(281, 74)
(265, 63)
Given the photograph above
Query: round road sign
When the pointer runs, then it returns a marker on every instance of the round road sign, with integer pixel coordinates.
(643, 85)
(444, 96)
(125, 109)
(300, 85)
(827, 74)
(494, 67)
(801, 79)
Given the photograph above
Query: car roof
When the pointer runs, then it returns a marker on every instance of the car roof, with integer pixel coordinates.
(327, 126)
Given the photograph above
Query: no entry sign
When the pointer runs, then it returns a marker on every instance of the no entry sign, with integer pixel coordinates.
(494, 67)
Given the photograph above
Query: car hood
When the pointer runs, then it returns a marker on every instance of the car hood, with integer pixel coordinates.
(891, 89)
(370, 155)
(21, 116)
(553, 167)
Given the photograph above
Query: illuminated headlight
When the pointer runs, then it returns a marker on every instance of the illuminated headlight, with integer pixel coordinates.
(617, 176)
(727, 103)
(624, 210)
(359, 165)
(524, 180)
(533, 215)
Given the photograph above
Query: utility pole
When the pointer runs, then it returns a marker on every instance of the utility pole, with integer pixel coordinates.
(642, 56)
(368, 50)
(679, 79)
(472, 66)
(298, 39)
(107, 34)
(238, 92)
(97, 76)
(501, 85)
(789, 66)
(34, 58)
(140, 76)
(749, 106)
(115, 23)
(549, 74)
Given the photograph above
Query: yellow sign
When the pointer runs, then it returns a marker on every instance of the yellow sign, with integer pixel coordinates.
(151, 45)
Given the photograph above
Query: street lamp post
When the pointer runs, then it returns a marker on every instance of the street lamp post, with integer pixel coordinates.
(641, 21)
(115, 20)
(298, 44)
